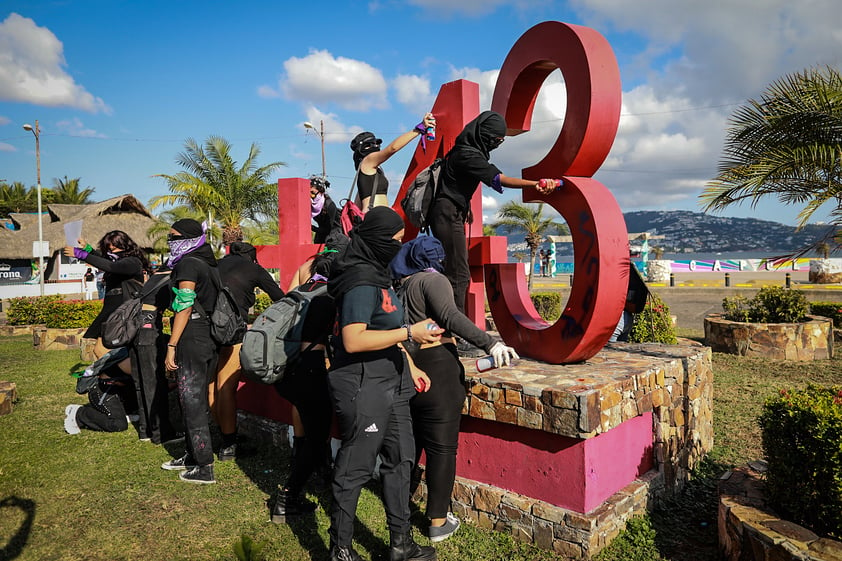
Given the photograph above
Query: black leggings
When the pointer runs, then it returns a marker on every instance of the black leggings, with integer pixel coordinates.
(436, 415)
(448, 226)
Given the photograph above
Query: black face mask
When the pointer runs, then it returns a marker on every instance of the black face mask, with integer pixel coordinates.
(385, 252)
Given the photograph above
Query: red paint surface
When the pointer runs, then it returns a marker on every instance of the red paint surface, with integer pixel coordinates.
(567, 472)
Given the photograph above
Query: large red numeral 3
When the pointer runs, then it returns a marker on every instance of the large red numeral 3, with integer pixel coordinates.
(600, 238)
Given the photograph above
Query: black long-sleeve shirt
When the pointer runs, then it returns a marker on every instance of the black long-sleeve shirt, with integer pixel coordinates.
(242, 276)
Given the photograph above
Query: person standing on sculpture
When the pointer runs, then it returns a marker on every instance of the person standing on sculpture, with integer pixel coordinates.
(466, 166)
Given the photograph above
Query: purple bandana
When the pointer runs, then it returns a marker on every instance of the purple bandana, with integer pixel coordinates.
(316, 205)
(180, 248)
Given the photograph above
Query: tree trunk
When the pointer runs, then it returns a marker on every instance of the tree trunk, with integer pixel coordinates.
(532, 254)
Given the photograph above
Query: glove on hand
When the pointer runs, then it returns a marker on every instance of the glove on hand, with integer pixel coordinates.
(80, 253)
(502, 354)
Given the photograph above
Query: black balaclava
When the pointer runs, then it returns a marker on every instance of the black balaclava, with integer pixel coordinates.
(482, 133)
(245, 249)
(366, 259)
(364, 144)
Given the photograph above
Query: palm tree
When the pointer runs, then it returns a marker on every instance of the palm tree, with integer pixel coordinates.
(213, 185)
(66, 191)
(786, 145)
(528, 218)
(16, 197)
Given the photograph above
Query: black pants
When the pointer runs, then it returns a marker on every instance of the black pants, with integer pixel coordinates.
(306, 388)
(147, 354)
(371, 401)
(448, 225)
(105, 410)
(436, 416)
(196, 358)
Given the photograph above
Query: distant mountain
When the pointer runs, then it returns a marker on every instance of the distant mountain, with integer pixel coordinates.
(685, 231)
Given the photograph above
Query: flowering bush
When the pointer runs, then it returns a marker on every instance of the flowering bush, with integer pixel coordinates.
(802, 442)
(771, 304)
(52, 312)
(654, 323)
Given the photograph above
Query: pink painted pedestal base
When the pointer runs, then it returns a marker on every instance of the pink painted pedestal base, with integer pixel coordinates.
(571, 473)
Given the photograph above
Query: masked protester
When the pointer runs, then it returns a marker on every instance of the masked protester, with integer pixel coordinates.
(372, 184)
(370, 385)
(323, 210)
(123, 264)
(191, 353)
(466, 166)
(436, 414)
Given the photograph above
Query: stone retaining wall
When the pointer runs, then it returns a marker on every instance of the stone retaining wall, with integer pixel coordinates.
(808, 340)
(8, 396)
(749, 531)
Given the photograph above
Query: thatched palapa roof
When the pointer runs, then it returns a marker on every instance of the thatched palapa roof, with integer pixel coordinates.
(124, 213)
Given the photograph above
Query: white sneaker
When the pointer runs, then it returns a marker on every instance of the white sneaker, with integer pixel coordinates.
(70, 424)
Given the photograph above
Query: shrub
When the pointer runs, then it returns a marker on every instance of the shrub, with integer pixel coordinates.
(548, 305)
(29, 310)
(52, 312)
(802, 442)
(771, 304)
(654, 323)
(832, 310)
(261, 302)
(72, 313)
(635, 543)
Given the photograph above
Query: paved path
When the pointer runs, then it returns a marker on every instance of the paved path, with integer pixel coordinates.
(696, 295)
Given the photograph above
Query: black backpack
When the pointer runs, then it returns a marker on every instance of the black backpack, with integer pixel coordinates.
(418, 200)
(227, 326)
(121, 327)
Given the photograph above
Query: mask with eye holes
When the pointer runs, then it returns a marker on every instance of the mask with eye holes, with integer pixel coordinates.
(364, 144)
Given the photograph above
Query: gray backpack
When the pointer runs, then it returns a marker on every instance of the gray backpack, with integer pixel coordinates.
(272, 346)
(419, 198)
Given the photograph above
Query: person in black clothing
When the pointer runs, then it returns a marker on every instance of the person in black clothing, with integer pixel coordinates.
(123, 263)
(322, 210)
(370, 386)
(306, 389)
(240, 271)
(147, 353)
(372, 185)
(191, 353)
(466, 166)
(436, 414)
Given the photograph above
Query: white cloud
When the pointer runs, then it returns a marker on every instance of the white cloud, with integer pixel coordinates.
(335, 131)
(32, 68)
(320, 77)
(472, 8)
(490, 204)
(4, 120)
(7, 147)
(75, 127)
(414, 92)
(268, 92)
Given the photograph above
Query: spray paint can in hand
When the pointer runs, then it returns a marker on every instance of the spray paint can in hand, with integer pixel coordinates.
(431, 133)
(486, 363)
(542, 183)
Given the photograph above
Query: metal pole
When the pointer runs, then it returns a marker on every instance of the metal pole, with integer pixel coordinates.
(788, 280)
(322, 136)
(41, 270)
(727, 279)
(672, 279)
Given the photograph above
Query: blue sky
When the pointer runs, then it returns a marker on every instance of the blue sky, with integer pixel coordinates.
(118, 86)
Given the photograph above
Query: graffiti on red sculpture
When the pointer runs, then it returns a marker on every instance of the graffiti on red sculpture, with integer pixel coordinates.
(600, 238)
(599, 234)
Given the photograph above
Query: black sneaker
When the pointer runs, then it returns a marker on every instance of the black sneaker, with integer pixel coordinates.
(198, 474)
(467, 350)
(287, 504)
(344, 554)
(179, 464)
(227, 453)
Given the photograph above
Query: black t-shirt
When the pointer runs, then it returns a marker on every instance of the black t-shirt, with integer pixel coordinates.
(117, 273)
(464, 169)
(380, 309)
(326, 221)
(242, 275)
(198, 271)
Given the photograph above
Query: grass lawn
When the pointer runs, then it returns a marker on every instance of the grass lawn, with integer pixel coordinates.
(97, 496)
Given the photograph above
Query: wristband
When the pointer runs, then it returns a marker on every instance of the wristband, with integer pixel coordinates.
(408, 331)
(173, 346)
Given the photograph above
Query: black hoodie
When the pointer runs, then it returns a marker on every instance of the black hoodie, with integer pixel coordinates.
(467, 162)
